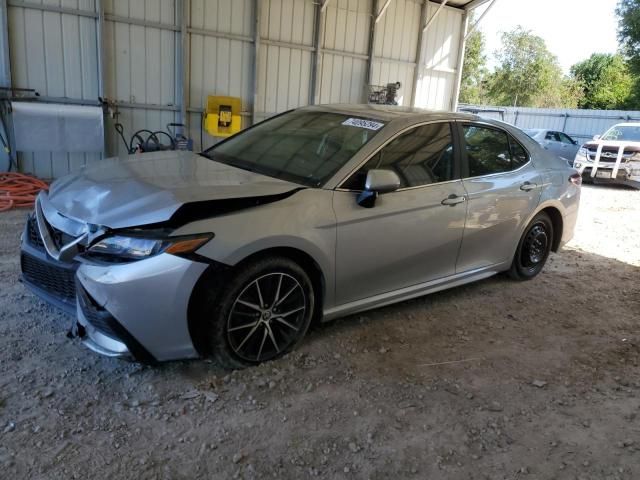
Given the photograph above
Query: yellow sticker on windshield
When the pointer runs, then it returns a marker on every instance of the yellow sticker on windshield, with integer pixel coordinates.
(361, 123)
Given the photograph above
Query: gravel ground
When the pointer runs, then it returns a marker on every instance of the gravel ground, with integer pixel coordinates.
(545, 383)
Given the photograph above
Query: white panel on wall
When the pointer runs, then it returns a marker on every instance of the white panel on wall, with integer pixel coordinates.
(140, 66)
(436, 81)
(55, 54)
(397, 39)
(284, 74)
(219, 66)
(346, 29)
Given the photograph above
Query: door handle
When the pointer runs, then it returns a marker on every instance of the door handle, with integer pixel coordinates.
(453, 200)
(528, 186)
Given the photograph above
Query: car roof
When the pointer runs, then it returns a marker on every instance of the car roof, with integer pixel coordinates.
(627, 124)
(389, 113)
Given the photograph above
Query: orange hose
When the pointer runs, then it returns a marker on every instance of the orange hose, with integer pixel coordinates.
(19, 190)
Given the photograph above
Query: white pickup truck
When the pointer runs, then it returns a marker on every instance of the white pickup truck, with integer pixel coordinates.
(613, 157)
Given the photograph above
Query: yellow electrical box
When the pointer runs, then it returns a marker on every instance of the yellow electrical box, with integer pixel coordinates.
(222, 116)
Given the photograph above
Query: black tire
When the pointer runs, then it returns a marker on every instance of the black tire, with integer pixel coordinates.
(271, 330)
(533, 249)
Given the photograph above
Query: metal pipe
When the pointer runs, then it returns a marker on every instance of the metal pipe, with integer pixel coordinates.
(417, 71)
(324, 5)
(472, 29)
(384, 9)
(435, 15)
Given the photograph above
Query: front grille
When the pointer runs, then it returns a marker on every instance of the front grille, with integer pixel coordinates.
(55, 280)
(609, 151)
(35, 240)
(98, 317)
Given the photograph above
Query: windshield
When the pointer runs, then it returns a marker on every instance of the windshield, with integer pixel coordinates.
(300, 146)
(627, 133)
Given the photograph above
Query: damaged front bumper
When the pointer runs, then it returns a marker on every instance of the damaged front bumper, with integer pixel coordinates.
(624, 170)
(137, 309)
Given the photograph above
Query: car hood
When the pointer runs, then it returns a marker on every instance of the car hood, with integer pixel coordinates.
(613, 145)
(151, 188)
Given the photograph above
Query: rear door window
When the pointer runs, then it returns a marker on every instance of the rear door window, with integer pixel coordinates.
(489, 151)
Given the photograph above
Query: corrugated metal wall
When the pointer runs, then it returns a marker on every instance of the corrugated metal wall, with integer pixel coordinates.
(55, 49)
(582, 125)
(54, 53)
(396, 46)
(437, 80)
(140, 65)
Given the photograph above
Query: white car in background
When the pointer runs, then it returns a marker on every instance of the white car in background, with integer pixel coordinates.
(557, 142)
(613, 157)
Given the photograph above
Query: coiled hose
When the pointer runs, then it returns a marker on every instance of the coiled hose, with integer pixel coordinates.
(19, 190)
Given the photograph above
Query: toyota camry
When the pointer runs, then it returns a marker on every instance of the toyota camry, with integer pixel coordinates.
(311, 215)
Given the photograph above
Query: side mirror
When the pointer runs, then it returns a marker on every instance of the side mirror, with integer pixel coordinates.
(596, 137)
(378, 182)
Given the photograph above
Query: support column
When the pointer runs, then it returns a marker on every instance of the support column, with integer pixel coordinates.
(419, 52)
(371, 47)
(257, 14)
(183, 63)
(460, 61)
(318, 40)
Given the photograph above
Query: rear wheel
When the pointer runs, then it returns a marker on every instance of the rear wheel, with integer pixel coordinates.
(263, 313)
(533, 249)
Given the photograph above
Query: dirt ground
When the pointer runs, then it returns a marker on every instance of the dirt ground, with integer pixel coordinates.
(546, 384)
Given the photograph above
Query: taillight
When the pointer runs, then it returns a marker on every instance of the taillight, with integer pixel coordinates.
(576, 179)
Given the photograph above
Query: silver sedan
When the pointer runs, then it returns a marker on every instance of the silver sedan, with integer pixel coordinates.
(556, 142)
(311, 215)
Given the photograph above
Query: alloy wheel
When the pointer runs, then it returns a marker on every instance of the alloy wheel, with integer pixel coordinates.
(267, 317)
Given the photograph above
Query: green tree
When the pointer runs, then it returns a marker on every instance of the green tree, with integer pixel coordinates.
(474, 69)
(607, 81)
(628, 12)
(529, 75)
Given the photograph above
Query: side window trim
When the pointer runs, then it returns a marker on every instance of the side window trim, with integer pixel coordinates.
(463, 151)
(457, 159)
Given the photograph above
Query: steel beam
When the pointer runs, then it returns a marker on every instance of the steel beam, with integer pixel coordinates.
(318, 40)
(462, 42)
(477, 22)
(435, 16)
(417, 71)
(228, 36)
(297, 46)
(475, 4)
(371, 47)
(257, 14)
(141, 23)
(52, 8)
(382, 10)
(182, 63)
(5, 80)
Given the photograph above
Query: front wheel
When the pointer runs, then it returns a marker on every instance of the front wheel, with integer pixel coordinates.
(263, 313)
(533, 249)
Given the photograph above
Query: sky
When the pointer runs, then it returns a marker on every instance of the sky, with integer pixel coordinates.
(572, 29)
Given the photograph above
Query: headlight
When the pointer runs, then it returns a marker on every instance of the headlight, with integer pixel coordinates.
(583, 154)
(121, 248)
